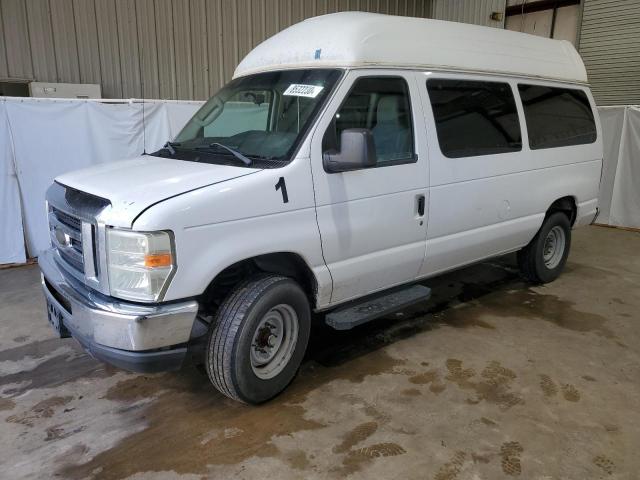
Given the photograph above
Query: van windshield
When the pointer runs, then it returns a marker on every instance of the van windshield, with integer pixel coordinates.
(256, 121)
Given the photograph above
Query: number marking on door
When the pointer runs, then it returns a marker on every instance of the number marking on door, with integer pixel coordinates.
(283, 188)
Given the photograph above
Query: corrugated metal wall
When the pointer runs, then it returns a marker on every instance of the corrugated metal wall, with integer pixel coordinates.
(477, 12)
(179, 49)
(553, 21)
(610, 48)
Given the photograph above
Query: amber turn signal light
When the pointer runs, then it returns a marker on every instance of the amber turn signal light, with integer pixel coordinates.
(158, 260)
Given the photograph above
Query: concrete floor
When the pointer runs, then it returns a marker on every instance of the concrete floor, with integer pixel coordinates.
(491, 379)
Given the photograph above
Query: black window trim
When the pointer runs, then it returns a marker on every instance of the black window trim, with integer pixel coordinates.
(391, 163)
(478, 80)
(560, 87)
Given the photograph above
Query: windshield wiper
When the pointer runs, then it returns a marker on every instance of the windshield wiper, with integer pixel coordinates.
(169, 147)
(247, 161)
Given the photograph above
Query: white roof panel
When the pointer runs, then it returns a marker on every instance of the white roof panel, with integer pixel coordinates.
(357, 39)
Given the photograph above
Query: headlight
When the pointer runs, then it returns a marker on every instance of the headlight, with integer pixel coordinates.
(139, 263)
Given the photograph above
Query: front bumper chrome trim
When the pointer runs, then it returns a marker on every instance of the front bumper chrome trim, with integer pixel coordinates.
(109, 322)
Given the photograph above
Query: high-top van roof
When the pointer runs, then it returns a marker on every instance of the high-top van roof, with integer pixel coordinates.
(358, 39)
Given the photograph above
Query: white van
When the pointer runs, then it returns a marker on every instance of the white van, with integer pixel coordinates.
(351, 156)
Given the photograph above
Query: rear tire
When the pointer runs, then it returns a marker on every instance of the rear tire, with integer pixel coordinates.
(544, 258)
(258, 339)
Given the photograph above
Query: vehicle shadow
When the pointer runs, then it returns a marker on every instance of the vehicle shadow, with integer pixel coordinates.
(330, 347)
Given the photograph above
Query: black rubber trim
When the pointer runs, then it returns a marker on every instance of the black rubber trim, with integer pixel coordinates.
(140, 362)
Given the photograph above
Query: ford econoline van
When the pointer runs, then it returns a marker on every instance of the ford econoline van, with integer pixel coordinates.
(351, 156)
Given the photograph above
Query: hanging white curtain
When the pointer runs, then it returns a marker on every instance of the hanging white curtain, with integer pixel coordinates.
(44, 138)
(11, 234)
(625, 196)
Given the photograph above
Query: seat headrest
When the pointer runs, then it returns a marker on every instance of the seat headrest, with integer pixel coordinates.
(390, 109)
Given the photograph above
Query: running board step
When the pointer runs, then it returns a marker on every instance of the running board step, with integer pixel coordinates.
(356, 314)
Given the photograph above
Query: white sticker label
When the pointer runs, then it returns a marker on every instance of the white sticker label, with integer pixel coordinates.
(300, 90)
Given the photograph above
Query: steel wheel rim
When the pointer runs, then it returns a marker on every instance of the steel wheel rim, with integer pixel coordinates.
(554, 245)
(274, 341)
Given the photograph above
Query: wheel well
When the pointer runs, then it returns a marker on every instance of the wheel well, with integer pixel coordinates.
(283, 263)
(566, 205)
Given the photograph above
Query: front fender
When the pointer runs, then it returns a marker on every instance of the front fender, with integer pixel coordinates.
(223, 224)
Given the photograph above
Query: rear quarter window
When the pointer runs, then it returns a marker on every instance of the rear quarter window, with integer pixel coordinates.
(557, 117)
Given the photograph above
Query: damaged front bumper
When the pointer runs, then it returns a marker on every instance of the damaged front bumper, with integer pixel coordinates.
(140, 338)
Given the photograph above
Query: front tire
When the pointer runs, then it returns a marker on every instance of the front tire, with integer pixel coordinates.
(258, 339)
(544, 258)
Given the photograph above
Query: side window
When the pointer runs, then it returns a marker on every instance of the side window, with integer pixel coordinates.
(474, 118)
(557, 117)
(381, 105)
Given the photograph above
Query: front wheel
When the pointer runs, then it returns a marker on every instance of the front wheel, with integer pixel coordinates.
(258, 339)
(543, 259)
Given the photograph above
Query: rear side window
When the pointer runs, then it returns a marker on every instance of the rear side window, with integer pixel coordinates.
(474, 118)
(557, 117)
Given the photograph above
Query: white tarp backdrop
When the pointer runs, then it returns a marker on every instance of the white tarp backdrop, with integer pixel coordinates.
(11, 234)
(612, 119)
(43, 138)
(625, 197)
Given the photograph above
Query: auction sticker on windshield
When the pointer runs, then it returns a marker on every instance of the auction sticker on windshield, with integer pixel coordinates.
(301, 90)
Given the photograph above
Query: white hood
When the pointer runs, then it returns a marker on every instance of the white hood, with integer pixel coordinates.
(134, 185)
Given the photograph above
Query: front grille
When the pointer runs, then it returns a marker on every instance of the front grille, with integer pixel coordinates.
(71, 260)
(68, 220)
(74, 230)
(66, 236)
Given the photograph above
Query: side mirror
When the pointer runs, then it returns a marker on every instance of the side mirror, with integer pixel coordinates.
(357, 150)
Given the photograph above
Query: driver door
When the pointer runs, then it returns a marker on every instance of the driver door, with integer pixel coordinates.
(372, 221)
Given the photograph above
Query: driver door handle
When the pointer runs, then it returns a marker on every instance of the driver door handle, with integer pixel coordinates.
(421, 202)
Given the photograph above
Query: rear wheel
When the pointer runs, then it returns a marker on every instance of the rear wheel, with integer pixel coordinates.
(544, 258)
(258, 339)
